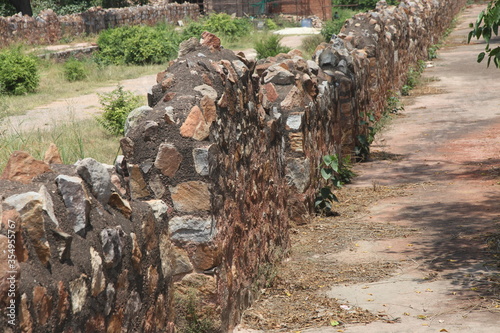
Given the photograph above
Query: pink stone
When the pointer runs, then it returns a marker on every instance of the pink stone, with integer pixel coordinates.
(210, 40)
(22, 167)
(168, 159)
(52, 155)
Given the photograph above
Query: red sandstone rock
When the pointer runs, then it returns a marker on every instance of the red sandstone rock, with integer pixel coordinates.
(168, 159)
(191, 196)
(20, 247)
(152, 279)
(52, 155)
(136, 254)
(120, 204)
(294, 99)
(22, 167)
(210, 40)
(62, 302)
(25, 321)
(138, 186)
(43, 303)
(209, 109)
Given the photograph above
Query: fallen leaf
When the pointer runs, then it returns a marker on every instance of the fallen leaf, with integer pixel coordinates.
(422, 317)
(443, 330)
(370, 300)
(409, 245)
(406, 313)
(429, 290)
(334, 323)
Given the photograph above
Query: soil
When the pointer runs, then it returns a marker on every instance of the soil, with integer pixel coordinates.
(416, 244)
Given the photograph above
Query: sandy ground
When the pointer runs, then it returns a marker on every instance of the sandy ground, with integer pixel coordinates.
(447, 146)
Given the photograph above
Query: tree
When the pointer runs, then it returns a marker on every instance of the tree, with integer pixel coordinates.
(23, 6)
(486, 25)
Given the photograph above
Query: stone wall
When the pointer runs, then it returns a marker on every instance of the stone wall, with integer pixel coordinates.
(49, 28)
(215, 170)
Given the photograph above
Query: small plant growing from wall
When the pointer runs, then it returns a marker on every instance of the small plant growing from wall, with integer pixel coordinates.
(117, 105)
(362, 150)
(335, 172)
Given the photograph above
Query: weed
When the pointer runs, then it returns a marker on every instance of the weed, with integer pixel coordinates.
(335, 172)
(271, 25)
(333, 27)
(310, 43)
(362, 150)
(74, 70)
(117, 105)
(270, 46)
(432, 51)
(413, 77)
(393, 104)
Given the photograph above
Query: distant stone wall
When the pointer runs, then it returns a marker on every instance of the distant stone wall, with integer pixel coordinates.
(49, 28)
(215, 170)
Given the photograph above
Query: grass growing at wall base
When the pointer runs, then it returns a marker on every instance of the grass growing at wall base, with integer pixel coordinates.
(75, 140)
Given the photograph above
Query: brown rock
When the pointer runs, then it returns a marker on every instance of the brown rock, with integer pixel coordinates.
(152, 276)
(161, 76)
(261, 68)
(95, 324)
(136, 254)
(204, 256)
(149, 230)
(270, 92)
(294, 99)
(120, 204)
(206, 79)
(78, 290)
(231, 73)
(296, 142)
(115, 323)
(310, 85)
(7, 286)
(22, 167)
(210, 40)
(160, 313)
(63, 244)
(169, 96)
(25, 321)
(223, 101)
(209, 109)
(62, 302)
(127, 146)
(52, 155)
(192, 196)
(148, 321)
(138, 186)
(195, 125)
(296, 52)
(43, 303)
(168, 159)
(167, 83)
(12, 215)
(98, 279)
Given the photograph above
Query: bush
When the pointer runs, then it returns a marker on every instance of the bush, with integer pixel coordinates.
(117, 105)
(271, 25)
(138, 45)
(224, 25)
(363, 4)
(74, 70)
(310, 43)
(193, 29)
(270, 46)
(6, 9)
(18, 72)
(334, 26)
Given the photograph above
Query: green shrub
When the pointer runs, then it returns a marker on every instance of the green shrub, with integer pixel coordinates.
(271, 25)
(310, 43)
(6, 9)
(18, 72)
(193, 29)
(363, 4)
(74, 70)
(224, 25)
(138, 45)
(117, 105)
(334, 26)
(270, 46)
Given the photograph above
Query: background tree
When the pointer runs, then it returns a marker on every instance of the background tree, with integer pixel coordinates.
(486, 25)
(11, 7)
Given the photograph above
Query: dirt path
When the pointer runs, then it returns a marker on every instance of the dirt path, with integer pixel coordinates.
(439, 163)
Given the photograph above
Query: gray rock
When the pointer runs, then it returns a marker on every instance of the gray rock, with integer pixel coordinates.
(97, 178)
(112, 246)
(110, 299)
(48, 204)
(313, 67)
(150, 129)
(191, 229)
(19, 201)
(200, 156)
(298, 173)
(157, 186)
(134, 116)
(278, 75)
(76, 201)
(294, 121)
(187, 46)
(328, 59)
(159, 208)
(206, 90)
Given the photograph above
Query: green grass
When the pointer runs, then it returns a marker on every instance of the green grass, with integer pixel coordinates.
(54, 86)
(75, 140)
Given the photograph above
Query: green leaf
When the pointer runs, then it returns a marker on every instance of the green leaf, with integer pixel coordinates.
(325, 192)
(480, 56)
(328, 159)
(335, 165)
(334, 323)
(326, 173)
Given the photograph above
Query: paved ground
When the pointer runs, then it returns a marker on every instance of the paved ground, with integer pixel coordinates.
(447, 145)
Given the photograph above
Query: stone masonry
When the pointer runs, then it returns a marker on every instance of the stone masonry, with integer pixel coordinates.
(215, 170)
(49, 28)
